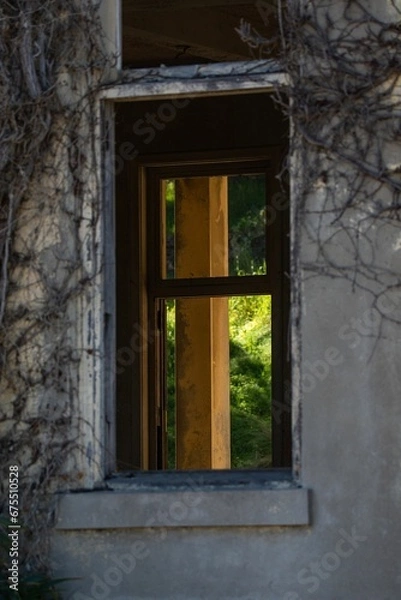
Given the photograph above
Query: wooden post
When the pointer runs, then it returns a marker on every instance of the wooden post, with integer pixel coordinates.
(202, 334)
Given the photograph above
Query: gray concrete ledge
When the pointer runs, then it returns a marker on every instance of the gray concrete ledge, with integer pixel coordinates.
(118, 509)
(221, 69)
(196, 80)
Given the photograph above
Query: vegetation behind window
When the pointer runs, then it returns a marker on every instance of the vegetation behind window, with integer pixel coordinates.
(249, 327)
(250, 381)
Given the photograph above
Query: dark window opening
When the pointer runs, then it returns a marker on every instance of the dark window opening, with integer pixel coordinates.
(180, 32)
(203, 297)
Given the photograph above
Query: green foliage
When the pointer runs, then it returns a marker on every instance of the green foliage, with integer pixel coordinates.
(250, 328)
(170, 206)
(250, 440)
(170, 366)
(246, 224)
(250, 381)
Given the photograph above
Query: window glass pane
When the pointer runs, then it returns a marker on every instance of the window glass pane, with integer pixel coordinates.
(218, 382)
(214, 226)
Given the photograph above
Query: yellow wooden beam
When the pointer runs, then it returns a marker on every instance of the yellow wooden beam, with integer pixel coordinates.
(202, 334)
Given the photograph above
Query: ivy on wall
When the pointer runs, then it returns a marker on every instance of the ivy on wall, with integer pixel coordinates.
(343, 61)
(51, 64)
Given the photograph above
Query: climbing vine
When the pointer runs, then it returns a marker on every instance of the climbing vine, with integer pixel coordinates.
(343, 65)
(343, 62)
(50, 69)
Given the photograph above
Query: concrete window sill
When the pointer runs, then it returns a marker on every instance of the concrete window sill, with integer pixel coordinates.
(192, 499)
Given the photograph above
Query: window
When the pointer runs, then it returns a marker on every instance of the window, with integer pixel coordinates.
(220, 130)
(180, 32)
(203, 302)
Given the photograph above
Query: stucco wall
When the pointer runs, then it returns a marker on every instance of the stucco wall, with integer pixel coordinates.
(350, 463)
(339, 541)
(346, 545)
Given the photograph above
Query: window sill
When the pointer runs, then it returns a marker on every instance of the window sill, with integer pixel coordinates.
(192, 499)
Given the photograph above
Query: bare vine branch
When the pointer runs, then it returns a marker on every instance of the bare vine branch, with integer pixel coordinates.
(51, 63)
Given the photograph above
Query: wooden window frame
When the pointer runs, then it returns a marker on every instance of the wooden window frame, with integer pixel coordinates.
(145, 217)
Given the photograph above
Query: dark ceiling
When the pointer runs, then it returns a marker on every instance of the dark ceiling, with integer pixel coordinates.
(177, 32)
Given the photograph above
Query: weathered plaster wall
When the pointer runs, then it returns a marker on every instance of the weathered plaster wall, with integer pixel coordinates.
(51, 337)
(350, 462)
(350, 455)
(53, 315)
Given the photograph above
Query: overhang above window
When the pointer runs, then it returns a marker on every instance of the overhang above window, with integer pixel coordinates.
(179, 32)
